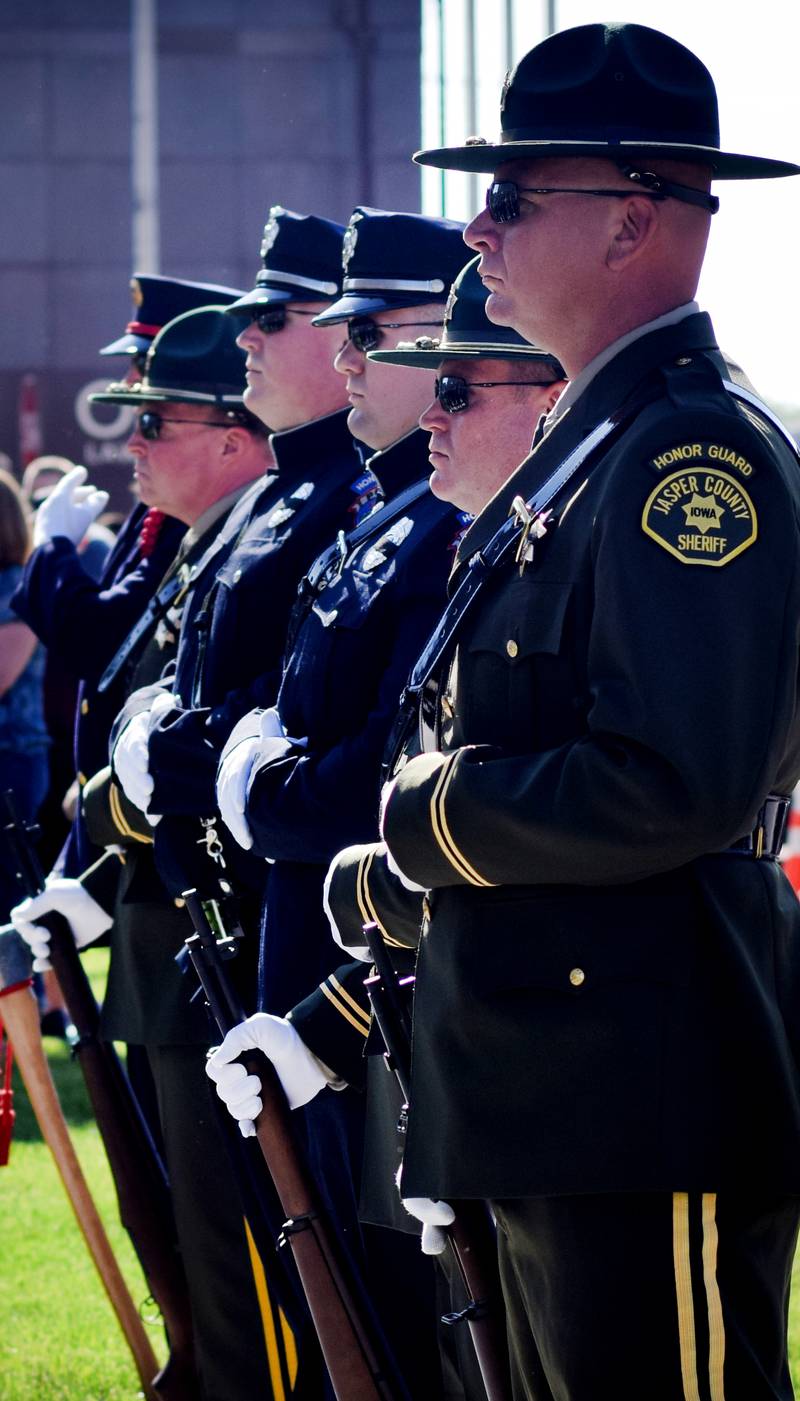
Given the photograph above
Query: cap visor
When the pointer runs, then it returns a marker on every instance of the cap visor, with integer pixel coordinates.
(127, 345)
(262, 296)
(725, 165)
(357, 304)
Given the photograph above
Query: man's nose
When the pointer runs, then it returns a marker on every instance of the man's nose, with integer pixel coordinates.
(482, 233)
(348, 360)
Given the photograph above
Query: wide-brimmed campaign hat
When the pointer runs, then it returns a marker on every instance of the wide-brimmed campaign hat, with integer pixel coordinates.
(194, 360)
(157, 301)
(618, 91)
(301, 257)
(392, 260)
(468, 334)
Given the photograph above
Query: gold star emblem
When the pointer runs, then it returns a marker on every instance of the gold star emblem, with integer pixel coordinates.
(703, 513)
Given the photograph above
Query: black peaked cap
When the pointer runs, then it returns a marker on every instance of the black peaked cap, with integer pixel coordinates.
(157, 301)
(395, 260)
(301, 261)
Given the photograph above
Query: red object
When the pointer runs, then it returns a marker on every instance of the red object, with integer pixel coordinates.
(148, 535)
(7, 1112)
(29, 420)
(790, 855)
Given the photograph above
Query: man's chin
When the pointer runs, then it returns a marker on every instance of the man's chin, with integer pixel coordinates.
(498, 309)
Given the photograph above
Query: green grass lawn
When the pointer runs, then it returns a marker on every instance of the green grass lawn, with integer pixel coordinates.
(59, 1338)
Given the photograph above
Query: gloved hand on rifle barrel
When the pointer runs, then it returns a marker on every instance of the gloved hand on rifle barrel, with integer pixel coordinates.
(301, 1074)
(61, 896)
(434, 1215)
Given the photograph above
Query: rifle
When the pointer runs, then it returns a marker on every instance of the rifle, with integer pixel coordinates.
(471, 1237)
(354, 1354)
(139, 1178)
(20, 1013)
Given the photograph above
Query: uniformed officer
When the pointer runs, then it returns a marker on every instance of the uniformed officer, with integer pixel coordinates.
(201, 457)
(492, 388)
(82, 621)
(610, 955)
(229, 658)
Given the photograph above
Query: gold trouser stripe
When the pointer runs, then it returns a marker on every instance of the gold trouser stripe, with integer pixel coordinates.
(683, 1292)
(716, 1325)
(441, 829)
(289, 1347)
(120, 820)
(342, 1010)
(349, 999)
(267, 1317)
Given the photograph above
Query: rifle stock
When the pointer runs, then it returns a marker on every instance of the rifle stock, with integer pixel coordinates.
(353, 1354)
(471, 1237)
(139, 1177)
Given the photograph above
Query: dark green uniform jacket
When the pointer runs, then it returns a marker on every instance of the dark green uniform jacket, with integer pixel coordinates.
(603, 1003)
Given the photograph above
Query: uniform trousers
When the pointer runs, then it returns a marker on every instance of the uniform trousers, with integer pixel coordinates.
(229, 1326)
(648, 1296)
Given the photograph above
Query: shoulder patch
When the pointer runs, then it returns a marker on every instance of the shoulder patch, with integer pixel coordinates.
(699, 513)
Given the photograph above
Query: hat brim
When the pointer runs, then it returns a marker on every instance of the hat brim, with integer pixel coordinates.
(262, 296)
(488, 156)
(166, 396)
(478, 350)
(356, 304)
(127, 345)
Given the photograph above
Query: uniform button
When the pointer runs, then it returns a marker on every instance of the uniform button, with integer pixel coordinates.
(447, 707)
(684, 360)
(84, 707)
(179, 902)
(237, 575)
(576, 977)
(511, 647)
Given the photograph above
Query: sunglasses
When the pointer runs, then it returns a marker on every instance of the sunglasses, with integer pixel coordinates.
(453, 392)
(148, 423)
(273, 318)
(365, 334)
(502, 196)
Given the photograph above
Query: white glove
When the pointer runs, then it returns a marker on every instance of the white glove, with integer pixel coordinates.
(386, 796)
(69, 509)
(87, 920)
(258, 738)
(434, 1216)
(299, 1072)
(360, 951)
(131, 760)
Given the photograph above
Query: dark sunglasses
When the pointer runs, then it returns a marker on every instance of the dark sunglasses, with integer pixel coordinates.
(148, 423)
(453, 392)
(502, 196)
(366, 334)
(273, 318)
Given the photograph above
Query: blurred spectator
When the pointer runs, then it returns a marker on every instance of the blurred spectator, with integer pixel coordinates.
(23, 735)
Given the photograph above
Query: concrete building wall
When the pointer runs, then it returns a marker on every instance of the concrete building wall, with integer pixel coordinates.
(309, 103)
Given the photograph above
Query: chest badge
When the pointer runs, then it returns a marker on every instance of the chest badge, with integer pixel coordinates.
(389, 542)
(700, 515)
(533, 524)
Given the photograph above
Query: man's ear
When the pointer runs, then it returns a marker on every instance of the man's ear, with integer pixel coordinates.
(232, 442)
(632, 232)
(555, 392)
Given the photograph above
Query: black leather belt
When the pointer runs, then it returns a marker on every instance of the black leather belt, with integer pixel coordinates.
(766, 839)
